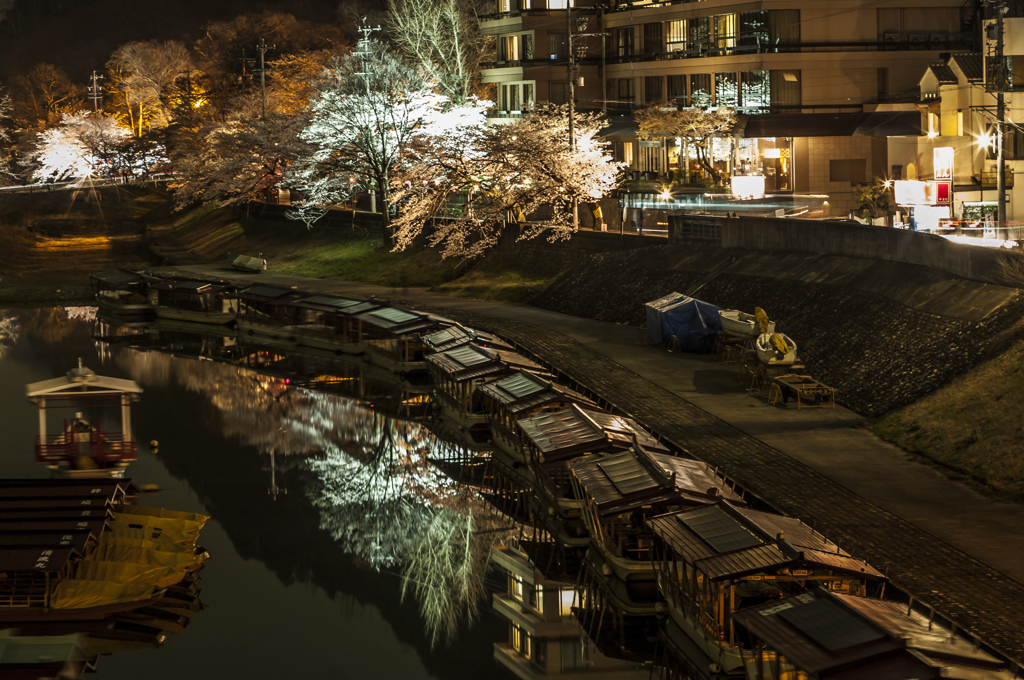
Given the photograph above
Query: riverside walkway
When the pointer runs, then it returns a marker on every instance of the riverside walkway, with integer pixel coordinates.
(939, 541)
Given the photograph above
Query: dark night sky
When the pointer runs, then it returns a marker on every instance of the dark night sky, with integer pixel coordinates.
(80, 36)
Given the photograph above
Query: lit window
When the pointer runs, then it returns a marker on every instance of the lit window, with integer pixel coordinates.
(565, 602)
(517, 587)
(959, 123)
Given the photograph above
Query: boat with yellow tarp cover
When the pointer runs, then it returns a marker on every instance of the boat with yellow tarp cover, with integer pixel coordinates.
(55, 567)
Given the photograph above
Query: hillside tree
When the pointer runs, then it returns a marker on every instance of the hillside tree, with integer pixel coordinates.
(144, 74)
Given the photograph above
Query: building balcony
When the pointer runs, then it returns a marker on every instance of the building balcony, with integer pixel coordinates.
(742, 50)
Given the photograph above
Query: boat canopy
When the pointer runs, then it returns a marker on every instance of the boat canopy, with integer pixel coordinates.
(726, 542)
(466, 363)
(636, 478)
(448, 338)
(82, 382)
(523, 391)
(576, 430)
(193, 287)
(122, 279)
(694, 323)
(824, 633)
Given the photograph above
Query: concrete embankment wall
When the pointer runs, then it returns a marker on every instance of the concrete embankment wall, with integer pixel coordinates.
(882, 332)
(845, 239)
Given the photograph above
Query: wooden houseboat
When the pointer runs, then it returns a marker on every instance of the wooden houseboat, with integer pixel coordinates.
(618, 492)
(548, 441)
(82, 448)
(716, 560)
(824, 635)
(124, 294)
(521, 395)
(458, 374)
(456, 335)
(65, 564)
(301, 318)
(393, 337)
(194, 301)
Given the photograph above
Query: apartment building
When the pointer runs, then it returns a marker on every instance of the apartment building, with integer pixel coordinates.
(817, 84)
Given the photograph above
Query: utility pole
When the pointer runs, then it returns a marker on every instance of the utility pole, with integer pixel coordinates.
(996, 82)
(262, 48)
(1001, 9)
(95, 91)
(572, 72)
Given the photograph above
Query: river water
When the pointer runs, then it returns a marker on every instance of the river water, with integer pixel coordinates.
(314, 499)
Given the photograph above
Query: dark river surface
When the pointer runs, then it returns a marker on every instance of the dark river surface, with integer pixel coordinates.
(305, 537)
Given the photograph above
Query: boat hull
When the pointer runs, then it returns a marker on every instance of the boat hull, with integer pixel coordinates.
(768, 355)
(299, 336)
(740, 324)
(194, 316)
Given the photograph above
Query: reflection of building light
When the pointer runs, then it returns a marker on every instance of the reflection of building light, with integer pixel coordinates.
(751, 186)
(772, 153)
(666, 195)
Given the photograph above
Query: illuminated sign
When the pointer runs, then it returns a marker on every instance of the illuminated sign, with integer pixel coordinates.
(772, 153)
(943, 193)
(942, 159)
(748, 186)
(910, 192)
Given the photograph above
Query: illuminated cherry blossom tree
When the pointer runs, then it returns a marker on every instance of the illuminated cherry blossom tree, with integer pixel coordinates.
(367, 108)
(5, 137)
(469, 183)
(83, 145)
(699, 126)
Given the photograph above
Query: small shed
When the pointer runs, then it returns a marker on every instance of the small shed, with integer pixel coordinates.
(693, 323)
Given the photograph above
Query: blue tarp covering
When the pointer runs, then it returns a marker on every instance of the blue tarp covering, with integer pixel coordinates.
(695, 323)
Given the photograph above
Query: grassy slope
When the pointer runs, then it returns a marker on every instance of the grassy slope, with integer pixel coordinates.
(974, 426)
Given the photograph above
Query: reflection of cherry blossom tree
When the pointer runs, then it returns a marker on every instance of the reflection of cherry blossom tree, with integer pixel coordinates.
(81, 313)
(9, 331)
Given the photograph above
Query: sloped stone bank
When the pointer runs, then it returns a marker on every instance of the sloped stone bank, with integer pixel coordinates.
(877, 353)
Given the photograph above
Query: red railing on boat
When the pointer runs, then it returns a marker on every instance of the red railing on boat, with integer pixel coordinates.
(103, 447)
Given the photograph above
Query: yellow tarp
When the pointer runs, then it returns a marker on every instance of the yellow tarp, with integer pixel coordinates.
(147, 556)
(164, 512)
(762, 319)
(165, 544)
(120, 572)
(156, 527)
(74, 594)
(779, 341)
(155, 535)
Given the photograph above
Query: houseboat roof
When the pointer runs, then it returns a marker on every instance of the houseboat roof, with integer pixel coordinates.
(524, 390)
(467, 362)
(337, 305)
(398, 321)
(80, 382)
(576, 430)
(121, 278)
(724, 541)
(265, 293)
(638, 477)
(457, 335)
(842, 636)
(448, 338)
(193, 287)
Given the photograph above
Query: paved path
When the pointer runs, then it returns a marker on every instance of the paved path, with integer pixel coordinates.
(940, 541)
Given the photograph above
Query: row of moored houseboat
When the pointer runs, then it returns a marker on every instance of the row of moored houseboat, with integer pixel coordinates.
(661, 539)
